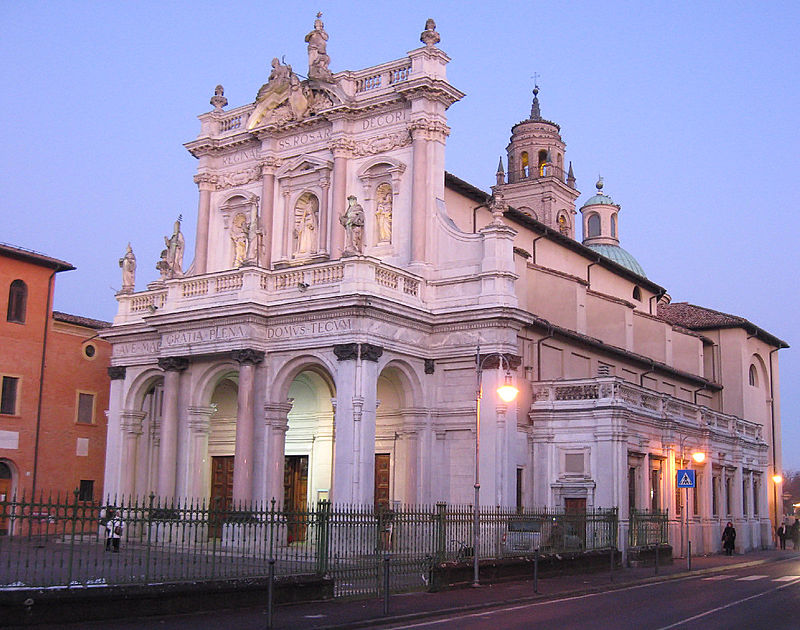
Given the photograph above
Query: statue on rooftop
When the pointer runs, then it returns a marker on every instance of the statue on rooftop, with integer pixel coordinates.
(128, 265)
(218, 100)
(318, 58)
(171, 263)
(274, 92)
(429, 36)
(353, 222)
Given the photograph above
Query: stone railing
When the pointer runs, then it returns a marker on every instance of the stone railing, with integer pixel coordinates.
(573, 395)
(261, 286)
(382, 76)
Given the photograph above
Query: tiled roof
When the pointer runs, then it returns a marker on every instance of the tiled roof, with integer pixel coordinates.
(88, 322)
(36, 258)
(701, 318)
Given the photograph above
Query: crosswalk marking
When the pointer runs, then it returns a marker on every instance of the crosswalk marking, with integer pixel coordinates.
(717, 577)
(750, 578)
(786, 578)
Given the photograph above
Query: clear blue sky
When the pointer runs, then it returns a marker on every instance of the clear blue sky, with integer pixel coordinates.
(687, 109)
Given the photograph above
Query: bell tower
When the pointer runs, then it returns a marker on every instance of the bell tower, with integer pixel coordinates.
(537, 182)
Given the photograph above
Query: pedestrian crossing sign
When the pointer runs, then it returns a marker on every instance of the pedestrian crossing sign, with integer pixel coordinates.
(686, 478)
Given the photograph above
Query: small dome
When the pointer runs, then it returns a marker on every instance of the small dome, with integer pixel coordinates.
(619, 256)
(599, 200)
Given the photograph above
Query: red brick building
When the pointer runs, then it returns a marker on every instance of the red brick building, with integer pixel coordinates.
(54, 385)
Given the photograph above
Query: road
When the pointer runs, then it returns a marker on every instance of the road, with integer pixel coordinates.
(765, 596)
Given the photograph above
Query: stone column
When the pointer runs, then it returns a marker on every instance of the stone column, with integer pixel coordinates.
(354, 445)
(276, 422)
(245, 425)
(206, 184)
(268, 166)
(168, 448)
(198, 464)
(131, 427)
(324, 215)
(419, 191)
(338, 196)
(114, 432)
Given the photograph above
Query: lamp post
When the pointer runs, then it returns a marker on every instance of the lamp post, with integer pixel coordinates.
(507, 393)
(776, 481)
(699, 457)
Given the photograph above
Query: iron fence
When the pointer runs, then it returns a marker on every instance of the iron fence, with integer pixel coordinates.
(60, 542)
(648, 528)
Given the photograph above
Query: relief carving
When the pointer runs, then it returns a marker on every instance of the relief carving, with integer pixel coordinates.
(380, 144)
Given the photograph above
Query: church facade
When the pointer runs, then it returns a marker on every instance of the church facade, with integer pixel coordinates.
(325, 340)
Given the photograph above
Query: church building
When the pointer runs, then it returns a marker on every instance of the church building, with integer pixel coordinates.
(345, 291)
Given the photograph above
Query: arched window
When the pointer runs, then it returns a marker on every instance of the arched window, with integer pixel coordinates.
(637, 294)
(17, 301)
(593, 225)
(526, 167)
(563, 224)
(614, 225)
(543, 162)
(753, 375)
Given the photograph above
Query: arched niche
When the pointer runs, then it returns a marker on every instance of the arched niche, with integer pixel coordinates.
(240, 221)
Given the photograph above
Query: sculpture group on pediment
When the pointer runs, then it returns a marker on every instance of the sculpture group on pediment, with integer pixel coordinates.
(306, 223)
(353, 222)
(318, 59)
(128, 265)
(170, 264)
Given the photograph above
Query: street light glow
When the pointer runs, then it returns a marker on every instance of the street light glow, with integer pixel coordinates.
(507, 391)
(699, 457)
(777, 478)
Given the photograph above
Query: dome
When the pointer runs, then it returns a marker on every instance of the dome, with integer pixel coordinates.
(619, 256)
(599, 200)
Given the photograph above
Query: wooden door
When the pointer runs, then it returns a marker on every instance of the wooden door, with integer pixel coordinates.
(5, 495)
(221, 493)
(382, 468)
(295, 496)
(575, 511)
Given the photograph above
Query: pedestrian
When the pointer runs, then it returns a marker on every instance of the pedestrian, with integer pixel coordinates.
(795, 531)
(782, 535)
(728, 539)
(114, 529)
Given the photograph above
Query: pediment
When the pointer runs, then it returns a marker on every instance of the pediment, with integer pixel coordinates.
(302, 165)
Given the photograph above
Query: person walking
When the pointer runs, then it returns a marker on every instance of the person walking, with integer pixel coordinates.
(782, 535)
(728, 539)
(114, 529)
(795, 532)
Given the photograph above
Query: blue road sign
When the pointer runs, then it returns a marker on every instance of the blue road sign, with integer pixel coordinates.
(686, 478)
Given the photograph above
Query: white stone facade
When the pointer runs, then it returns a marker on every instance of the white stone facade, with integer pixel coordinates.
(302, 351)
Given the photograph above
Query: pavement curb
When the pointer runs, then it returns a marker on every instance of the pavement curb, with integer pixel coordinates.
(611, 586)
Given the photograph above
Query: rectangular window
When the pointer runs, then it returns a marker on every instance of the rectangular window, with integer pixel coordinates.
(86, 491)
(756, 492)
(728, 493)
(8, 399)
(745, 506)
(85, 408)
(715, 496)
(631, 489)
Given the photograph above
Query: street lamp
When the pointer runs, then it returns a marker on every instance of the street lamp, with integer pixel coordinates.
(507, 392)
(699, 457)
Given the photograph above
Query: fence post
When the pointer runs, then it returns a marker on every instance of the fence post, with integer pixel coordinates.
(658, 544)
(536, 569)
(149, 525)
(386, 584)
(323, 536)
(270, 594)
(441, 538)
(74, 520)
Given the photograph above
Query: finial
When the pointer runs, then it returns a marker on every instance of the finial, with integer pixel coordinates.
(500, 174)
(536, 113)
(570, 176)
(599, 184)
(218, 100)
(500, 166)
(429, 36)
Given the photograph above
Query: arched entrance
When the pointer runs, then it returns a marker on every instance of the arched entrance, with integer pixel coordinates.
(222, 442)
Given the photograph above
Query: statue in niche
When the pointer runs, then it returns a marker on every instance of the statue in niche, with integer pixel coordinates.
(274, 92)
(128, 265)
(318, 58)
(306, 223)
(353, 222)
(383, 212)
(171, 263)
(240, 232)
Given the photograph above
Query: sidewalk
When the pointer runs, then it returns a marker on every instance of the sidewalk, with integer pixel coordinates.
(411, 606)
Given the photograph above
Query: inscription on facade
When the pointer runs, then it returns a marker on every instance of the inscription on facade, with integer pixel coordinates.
(136, 348)
(204, 335)
(304, 139)
(308, 328)
(383, 120)
(240, 156)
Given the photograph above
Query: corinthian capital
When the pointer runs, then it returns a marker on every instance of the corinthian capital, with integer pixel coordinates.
(173, 364)
(248, 355)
